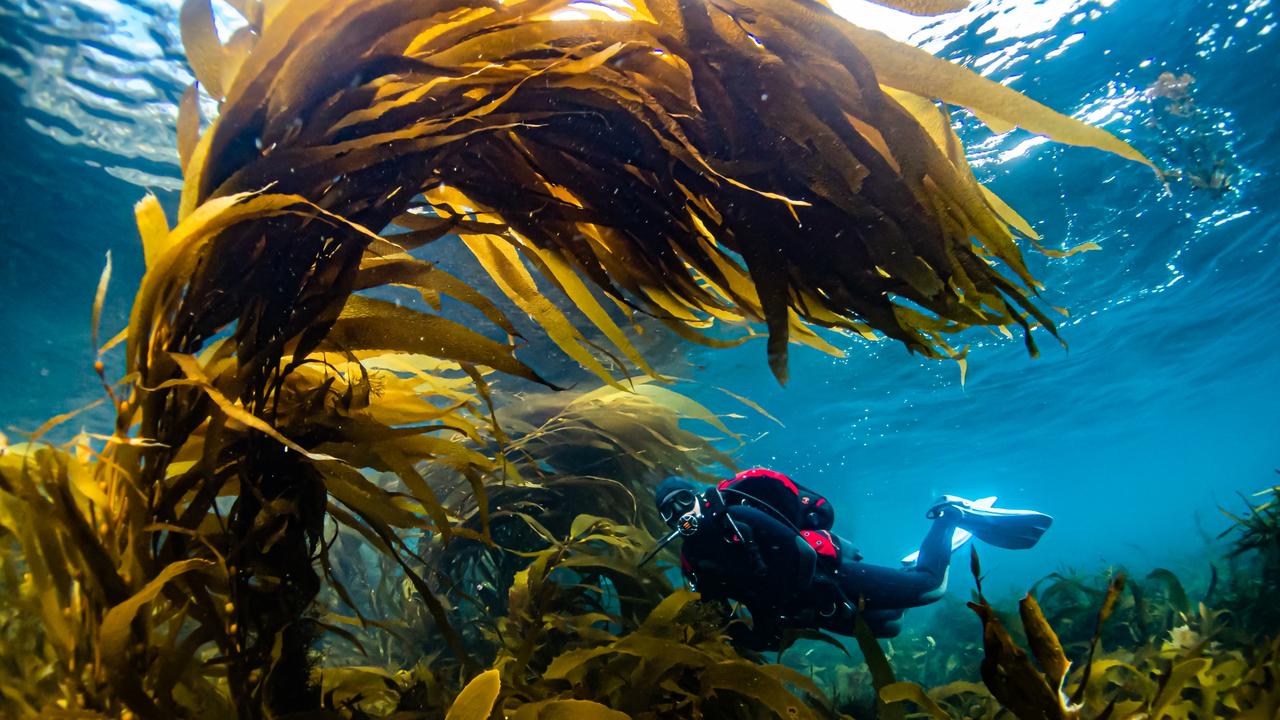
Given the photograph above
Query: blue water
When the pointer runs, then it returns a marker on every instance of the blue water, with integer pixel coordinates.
(1162, 408)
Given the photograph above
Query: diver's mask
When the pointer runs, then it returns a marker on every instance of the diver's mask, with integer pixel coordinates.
(681, 510)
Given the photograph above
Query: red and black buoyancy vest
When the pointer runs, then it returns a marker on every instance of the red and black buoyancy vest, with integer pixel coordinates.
(805, 509)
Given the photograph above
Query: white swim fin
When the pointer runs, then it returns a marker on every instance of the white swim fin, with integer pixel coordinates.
(958, 538)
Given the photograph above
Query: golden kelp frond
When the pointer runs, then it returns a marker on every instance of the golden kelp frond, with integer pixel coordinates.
(924, 7)
(582, 454)
(89, 572)
(727, 160)
(588, 632)
(561, 639)
(559, 456)
(633, 436)
(29, 676)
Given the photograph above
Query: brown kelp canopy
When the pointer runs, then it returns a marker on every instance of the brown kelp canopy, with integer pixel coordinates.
(697, 160)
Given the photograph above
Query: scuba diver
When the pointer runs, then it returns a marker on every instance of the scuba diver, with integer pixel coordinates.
(765, 541)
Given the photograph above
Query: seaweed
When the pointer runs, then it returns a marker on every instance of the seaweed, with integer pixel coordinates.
(698, 161)
(1253, 564)
(1181, 674)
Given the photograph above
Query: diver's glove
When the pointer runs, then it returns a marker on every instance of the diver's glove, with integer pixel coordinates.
(1002, 527)
(827, 602)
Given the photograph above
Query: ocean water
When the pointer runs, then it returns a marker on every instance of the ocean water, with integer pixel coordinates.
(1161, 408)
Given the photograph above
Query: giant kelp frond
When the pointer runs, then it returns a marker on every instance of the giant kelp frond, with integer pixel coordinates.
(702, 161)
(189, 547)
(634, 436)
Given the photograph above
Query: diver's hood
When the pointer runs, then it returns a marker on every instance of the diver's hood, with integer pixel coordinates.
(672, 485)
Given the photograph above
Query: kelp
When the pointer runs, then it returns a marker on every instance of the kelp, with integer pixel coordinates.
(697, 161)
(712, 164)
(595, 453)
(586, 629)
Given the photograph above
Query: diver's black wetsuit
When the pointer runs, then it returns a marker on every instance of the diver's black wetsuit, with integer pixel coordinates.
(770, 549)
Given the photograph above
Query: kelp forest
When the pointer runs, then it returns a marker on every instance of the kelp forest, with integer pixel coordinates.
(345, 482)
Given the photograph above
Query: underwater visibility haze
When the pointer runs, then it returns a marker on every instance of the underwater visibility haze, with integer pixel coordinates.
(303, 486)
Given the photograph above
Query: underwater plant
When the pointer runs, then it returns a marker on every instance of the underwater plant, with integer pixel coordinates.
(292, 372)
(1179, 674)
(1253, 564)
(697, 161)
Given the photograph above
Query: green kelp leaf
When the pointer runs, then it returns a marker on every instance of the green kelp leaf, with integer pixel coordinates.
(503, 263)
(565, 276)
(415, 273)
(1009, 674)
(1044, 641)
(905, 67)
(373, 504)
(235, 52)
(475, 702)
(909, 691)
(188, 125)
(751, 404)
(99, 297)
(368, 324)
(115, 633)
(1173, 684)
(663, 617)
(1177, 594)
(881, 671)
(200, 41)
(925, 7)
(567, 710)
(153, 227)
(569, 664)
(747, 679)
(191, 368)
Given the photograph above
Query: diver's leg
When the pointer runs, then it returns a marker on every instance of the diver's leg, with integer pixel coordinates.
(935, 549)
(879, 588)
